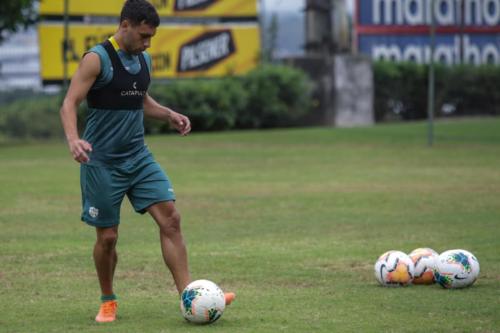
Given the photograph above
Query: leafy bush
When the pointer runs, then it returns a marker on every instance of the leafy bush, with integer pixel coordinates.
(474, 90)
(401, 90)
(269, 96)
(210, 104)
(278, 96)
(32, 118)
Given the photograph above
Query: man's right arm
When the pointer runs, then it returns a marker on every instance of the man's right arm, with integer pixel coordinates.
(82, 80)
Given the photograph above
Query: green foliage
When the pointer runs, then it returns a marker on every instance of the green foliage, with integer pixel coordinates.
(278, 96)
(210, 104)
(269, 96)
(15, 14)
(400, 86)
(401, 90)
(36, 117)
(474, 90)
(8, 97)
(270, 39)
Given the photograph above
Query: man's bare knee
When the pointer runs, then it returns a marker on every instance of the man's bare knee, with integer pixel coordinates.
(107, 238)
(170, 224)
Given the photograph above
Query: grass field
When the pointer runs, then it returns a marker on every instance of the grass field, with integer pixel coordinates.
(291, 220)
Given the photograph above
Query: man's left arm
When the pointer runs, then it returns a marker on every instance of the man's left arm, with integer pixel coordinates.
(153, 109)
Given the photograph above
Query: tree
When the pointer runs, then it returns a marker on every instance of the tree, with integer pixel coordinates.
(16, 14)
(271, 40)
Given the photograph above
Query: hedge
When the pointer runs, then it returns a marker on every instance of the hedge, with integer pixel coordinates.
(277, 96)
(31, 118)
(269, 96)
(401, 90)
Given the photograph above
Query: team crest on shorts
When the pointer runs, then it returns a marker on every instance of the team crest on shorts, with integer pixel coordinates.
(94, 212)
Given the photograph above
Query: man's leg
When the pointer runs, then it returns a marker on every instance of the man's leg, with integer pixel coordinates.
(172, 243)
(105, 259)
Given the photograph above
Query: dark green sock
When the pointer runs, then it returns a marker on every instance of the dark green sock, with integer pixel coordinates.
(105, 298)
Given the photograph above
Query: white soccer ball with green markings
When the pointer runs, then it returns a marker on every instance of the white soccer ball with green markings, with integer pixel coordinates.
(202, 302)
(456, 269)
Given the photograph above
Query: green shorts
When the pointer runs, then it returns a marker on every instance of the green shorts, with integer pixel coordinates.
(103, 189)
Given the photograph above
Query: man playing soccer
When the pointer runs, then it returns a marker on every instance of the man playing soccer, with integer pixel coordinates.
(114, 77)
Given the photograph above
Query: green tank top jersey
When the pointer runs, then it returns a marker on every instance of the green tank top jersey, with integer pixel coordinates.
(115, 135)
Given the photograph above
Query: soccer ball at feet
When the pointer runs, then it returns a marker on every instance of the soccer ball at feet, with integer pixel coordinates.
(202, 302)
(456, 269)
(394, 269)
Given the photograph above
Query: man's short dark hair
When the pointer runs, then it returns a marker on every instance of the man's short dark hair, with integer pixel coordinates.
(139, 11)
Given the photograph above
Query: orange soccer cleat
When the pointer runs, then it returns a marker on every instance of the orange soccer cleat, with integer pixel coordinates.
(229, 298)
(107, 312)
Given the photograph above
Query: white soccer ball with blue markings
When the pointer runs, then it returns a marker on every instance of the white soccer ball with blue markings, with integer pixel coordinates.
(456, 269)
(202, 302)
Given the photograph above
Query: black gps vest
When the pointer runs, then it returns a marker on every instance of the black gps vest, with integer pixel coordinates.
(125, 91)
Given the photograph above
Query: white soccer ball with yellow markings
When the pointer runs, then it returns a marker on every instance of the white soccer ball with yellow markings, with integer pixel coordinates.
(425, 260)
(394, 269)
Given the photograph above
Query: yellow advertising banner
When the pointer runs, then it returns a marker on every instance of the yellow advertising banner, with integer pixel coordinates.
(182, 8)
(177, 51)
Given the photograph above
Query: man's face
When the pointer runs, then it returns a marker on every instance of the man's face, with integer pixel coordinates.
(137, 38)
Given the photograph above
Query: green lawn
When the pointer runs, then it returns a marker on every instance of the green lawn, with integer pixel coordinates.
(291, 220)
